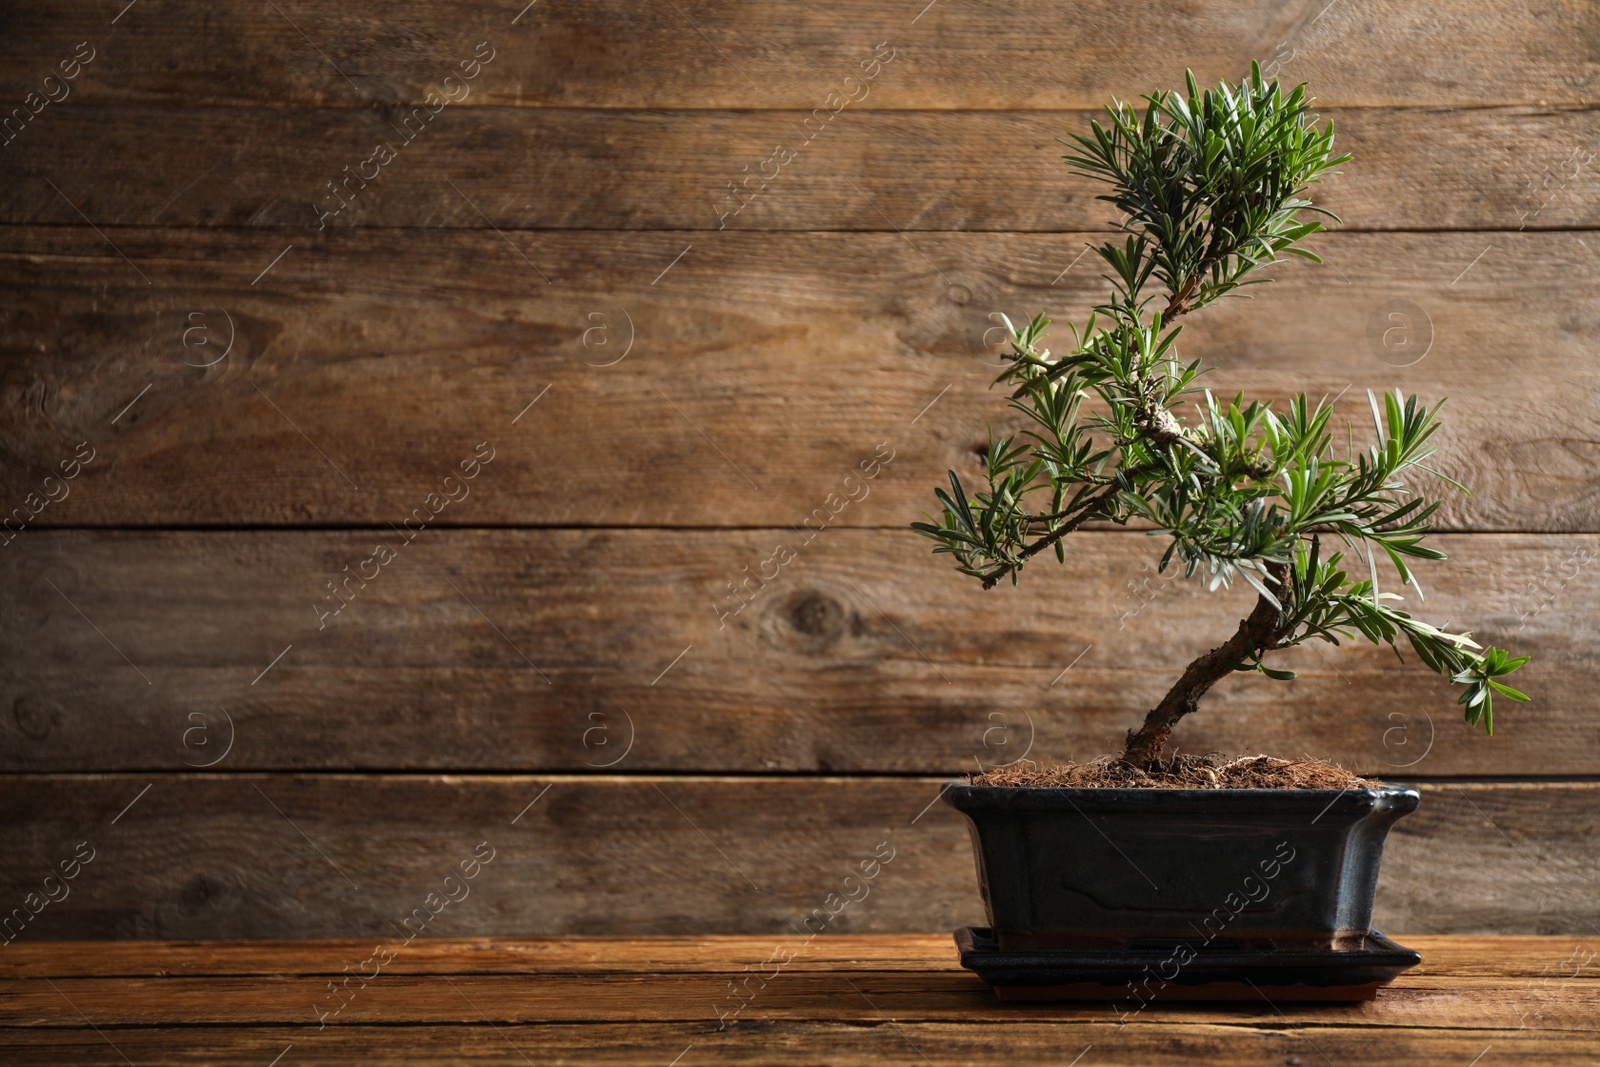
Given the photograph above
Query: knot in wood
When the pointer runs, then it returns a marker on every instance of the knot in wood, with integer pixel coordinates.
(816, 615)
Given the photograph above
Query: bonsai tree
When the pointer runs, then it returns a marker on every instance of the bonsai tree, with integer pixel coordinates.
(1211, 187)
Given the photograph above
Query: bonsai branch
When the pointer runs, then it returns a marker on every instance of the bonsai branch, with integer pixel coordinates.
(1180, 300)
(1156, 423)
(1091, 508)
(1214, 254)
(1258, 633)
(1068, 512)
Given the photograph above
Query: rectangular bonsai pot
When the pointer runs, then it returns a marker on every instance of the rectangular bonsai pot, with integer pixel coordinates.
(1211, 868)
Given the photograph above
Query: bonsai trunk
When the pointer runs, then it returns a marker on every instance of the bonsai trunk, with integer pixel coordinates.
(1257, 633)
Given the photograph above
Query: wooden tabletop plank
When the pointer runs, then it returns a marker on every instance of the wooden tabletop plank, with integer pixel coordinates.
(528, 168)
(946, 995)
(1553, 957)
(723, 53)
(1012, 1037)
(397, 353)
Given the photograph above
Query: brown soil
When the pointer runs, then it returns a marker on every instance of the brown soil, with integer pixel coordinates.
(1180, 772)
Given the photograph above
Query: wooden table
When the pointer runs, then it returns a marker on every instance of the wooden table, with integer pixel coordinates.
(657, 1001)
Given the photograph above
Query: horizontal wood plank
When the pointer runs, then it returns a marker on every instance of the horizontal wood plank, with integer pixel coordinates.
(302, 170)
(719, 53)
(950, 995)
(846, 999)
(747, 374)
(575, 650)
(1443, 956)
(353, 856)
(1012, 1038)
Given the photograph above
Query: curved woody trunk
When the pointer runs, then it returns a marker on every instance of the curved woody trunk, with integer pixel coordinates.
(1257, 633)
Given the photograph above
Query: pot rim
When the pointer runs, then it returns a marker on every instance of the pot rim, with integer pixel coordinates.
(965, 796)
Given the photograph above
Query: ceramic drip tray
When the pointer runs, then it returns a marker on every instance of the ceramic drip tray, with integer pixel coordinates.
(1145, 977)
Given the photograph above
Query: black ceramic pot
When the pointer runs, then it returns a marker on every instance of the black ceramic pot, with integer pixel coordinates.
(1212, 868)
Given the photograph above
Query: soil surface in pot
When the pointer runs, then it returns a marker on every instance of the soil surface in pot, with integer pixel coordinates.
(1180, 772)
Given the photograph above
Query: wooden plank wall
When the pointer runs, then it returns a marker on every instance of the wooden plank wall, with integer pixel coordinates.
(643, 383)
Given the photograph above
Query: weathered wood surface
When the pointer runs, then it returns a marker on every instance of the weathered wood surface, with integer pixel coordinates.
(867, 1001)
(1011, 1039)
(947, 994)
(763, 368)
(1443, 956)
(630, 53)
(571, 650)
(1480, 169)
(223, 856)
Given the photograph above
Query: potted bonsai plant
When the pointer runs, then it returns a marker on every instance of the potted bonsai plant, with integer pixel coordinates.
(1134, 866)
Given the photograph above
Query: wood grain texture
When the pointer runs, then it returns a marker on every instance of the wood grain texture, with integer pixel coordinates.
(205, 856)
(527, 168)
(568, 212)
(628, 53)
(571, 650)
(1011, 1039)
(947, 994)
(1558, 959)
(763, 368)
(846, 1000)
